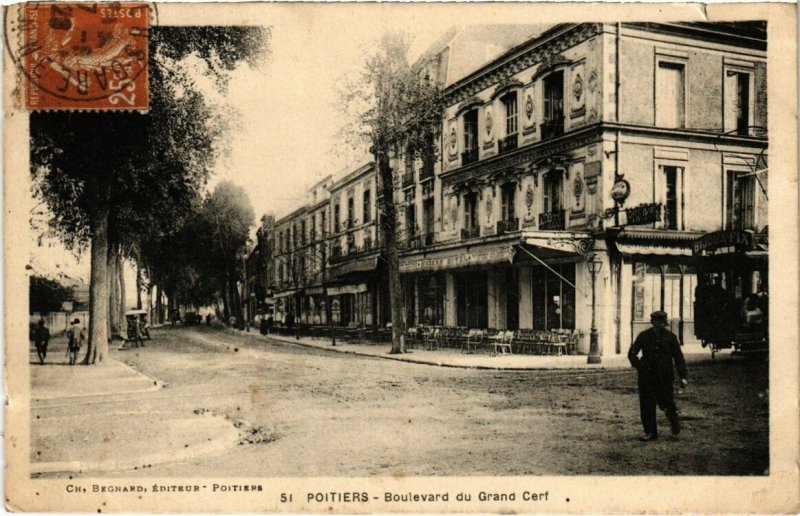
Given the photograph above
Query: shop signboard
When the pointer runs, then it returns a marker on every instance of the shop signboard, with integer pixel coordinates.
(457, 260)
(643, 214)
(725, 240)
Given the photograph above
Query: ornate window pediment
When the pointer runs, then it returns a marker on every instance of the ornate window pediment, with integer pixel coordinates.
(470, 103)
(551, 63)
(505, 86)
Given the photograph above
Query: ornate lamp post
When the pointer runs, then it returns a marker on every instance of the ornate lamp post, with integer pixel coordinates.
(594, 266)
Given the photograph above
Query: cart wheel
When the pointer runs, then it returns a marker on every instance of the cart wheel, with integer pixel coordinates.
(713, 351)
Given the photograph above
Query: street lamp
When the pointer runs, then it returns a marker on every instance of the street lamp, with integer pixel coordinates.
(594, 266)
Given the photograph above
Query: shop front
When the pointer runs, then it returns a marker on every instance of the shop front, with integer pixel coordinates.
(661, 275)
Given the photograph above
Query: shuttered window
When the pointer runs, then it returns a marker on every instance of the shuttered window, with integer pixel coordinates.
(670, 95)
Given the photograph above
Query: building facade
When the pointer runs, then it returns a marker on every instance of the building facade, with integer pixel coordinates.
(669, 117)
(617, 145)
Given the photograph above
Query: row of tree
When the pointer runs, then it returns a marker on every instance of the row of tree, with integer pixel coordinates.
(128, 185)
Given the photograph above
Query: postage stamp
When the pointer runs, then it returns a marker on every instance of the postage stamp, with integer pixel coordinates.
(84, 56)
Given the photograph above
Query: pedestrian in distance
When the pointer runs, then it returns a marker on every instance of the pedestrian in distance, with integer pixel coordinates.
(660, 355)
(145, 327)
(41, 338)
(75, 336)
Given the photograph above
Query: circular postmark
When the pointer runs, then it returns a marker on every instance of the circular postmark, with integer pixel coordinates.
(81, 55)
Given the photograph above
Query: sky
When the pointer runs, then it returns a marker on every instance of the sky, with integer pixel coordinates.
(290, 110)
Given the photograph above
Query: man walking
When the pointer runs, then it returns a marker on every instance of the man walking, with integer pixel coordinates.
(41, 338)
(75, 335)
(659, 348)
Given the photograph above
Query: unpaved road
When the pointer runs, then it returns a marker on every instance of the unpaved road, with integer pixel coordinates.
(319, 413)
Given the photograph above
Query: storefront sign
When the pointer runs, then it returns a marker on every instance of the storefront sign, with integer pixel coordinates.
(643, 214)
(712, 242)
(463, 259)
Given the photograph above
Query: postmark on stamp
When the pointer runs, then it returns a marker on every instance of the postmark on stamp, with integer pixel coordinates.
(79, 56)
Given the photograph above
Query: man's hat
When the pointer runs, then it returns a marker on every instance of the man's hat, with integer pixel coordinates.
(659, 314)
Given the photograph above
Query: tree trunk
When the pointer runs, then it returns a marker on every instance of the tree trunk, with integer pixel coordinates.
(389, 229)
(123, 322)
(139, 285)
(159, 305)
(97, 348)
(226, 309)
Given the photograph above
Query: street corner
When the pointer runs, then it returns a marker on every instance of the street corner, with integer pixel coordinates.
(127, 441)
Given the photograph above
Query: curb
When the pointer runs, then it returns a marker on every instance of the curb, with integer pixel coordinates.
(217, 446)
(289, 340)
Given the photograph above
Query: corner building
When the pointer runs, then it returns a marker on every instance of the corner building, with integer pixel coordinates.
(670, 117)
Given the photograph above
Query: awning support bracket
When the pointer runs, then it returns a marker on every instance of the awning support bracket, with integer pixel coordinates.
(565, 280)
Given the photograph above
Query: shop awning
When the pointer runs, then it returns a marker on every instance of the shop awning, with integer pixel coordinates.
(347, 289)
(358, 265)
(314, 291)
(285, 294)
(655, 242)
(652, 250)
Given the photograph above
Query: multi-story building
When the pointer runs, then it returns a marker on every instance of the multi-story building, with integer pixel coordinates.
(355, 288)
(313, 304)
(619, 143)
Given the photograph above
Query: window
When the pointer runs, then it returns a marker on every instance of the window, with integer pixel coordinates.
(553, 105)
(742, 103)
(411, 220)
(302, 231)
(322, 223)
(552, 192)
(741, 200)
(470, 137)
(670, 95)
(336, 219)
(367, 206)
(350, 212)
(313, 228)
(470, 211)
(510, 103)
(508, 194)
(427, 215)
(671, 195)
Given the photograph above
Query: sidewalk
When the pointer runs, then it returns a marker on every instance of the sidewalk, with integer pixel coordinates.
(454, 358)
(68, 401)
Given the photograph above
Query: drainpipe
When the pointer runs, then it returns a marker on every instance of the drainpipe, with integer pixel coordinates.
(617, 256)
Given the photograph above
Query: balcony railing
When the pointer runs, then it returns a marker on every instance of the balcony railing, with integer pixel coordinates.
(408, 178)
(473, 232)
(469, 156)
(553, 128)
(508, 143)
(553, 220)
(507, 226)
(353, 253)
(418, 241)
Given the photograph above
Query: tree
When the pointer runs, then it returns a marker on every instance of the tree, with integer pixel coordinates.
(225, 221)
(47, 295)
(397, 106)
(109, 178)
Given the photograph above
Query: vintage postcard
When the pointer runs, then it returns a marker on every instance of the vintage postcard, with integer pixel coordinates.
(400, 257)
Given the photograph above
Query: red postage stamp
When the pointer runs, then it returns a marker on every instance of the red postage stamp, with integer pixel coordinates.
(85, 55)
